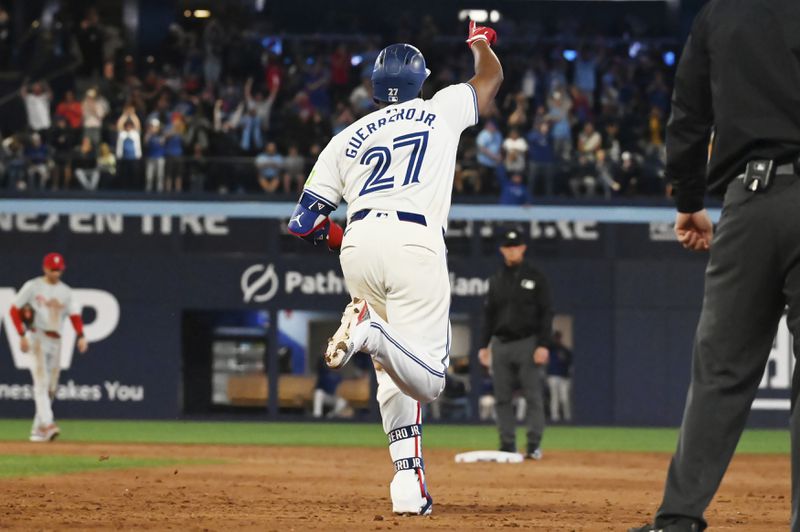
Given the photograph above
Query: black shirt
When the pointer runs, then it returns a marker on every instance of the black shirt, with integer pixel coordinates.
(740, 73)
(518, 305)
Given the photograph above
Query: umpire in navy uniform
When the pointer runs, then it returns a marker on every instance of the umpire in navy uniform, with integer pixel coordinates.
(739, 76)
(517, 329)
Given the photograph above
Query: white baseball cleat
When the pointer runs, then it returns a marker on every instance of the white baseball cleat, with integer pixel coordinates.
(346, 340)
(45, 433)
(410, 495)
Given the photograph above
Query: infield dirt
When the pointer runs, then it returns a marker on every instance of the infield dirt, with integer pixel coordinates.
(316, 488)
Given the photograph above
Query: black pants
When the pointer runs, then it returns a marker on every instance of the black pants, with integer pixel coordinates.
(753, 273)
(512, 365)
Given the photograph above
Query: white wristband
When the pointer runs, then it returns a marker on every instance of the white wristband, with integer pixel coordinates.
(474, 38)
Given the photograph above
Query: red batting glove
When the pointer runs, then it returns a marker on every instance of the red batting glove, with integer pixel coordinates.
(480, 33)
(335, 235)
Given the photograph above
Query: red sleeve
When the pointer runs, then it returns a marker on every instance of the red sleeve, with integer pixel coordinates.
(77, 323)
(16, 318)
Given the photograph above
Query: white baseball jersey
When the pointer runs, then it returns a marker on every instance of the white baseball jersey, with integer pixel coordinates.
(399, 158)
(51, 303)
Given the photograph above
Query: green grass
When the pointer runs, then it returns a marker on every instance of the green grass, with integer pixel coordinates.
(14, 465)
(456, 437)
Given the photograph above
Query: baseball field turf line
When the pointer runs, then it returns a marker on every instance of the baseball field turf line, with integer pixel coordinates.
(16, 465)
(456, 437)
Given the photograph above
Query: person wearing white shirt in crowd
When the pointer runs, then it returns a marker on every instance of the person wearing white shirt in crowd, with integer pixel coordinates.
(129, 147)
(516, 150)
(589, 141)
(37, 104)
(95, 108)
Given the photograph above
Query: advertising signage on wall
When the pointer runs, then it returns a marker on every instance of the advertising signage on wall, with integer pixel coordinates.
(136, 277)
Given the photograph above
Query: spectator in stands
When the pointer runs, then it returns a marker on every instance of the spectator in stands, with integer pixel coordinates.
(255, 118)
(605, 171)
(173, 152)
(70, 109)
(213, 43)
(94, 110)
(467, 176)
(340, 72)
(16, 176)
(37, 155)
(107, 164)
(611, 144)
(558, 108)
(111, 89)
(317, 82)
(155, 165)
(655, 128)
(343, 118)
(294, 174)
(490, 157)
(129, 149)
(84, 162)
(273, 73)
(541, 160)
(64, 139)
(37, 100)
(197, 168)
(594, 174)
(658, 94)
(517, 105)
(609, 97)
(198, 131)
(361, 98)
(581, 106)
(90, 39)
(628, 174)
(586, 74)
(516, 151)
(269, 165)
(514, 191)
(589, 141)
(559, 379)
(194, 57)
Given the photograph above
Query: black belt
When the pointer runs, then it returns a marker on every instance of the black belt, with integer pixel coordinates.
(402, 216)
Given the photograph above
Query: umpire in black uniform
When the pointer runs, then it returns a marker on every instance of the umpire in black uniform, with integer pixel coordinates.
(739, 76)
(517, 326)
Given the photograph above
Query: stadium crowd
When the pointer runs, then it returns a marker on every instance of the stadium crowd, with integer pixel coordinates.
(224, 110)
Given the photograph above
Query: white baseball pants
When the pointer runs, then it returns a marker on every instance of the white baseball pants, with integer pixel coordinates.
(400, 268)
(46, 352)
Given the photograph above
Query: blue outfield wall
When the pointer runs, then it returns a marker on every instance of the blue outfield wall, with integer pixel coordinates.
(633, 295)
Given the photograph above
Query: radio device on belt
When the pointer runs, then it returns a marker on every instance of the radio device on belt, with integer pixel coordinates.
(758, 174)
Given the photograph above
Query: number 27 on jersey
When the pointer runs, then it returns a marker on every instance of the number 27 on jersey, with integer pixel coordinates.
(381, 156)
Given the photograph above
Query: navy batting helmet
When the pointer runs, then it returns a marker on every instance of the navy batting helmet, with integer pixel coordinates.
(398, 74)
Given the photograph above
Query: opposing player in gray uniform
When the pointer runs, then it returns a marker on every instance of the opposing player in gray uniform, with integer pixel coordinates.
(49, 300)
(395, 169)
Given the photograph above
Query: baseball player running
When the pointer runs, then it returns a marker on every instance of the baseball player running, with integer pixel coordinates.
(394, 168)
(49, 301)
